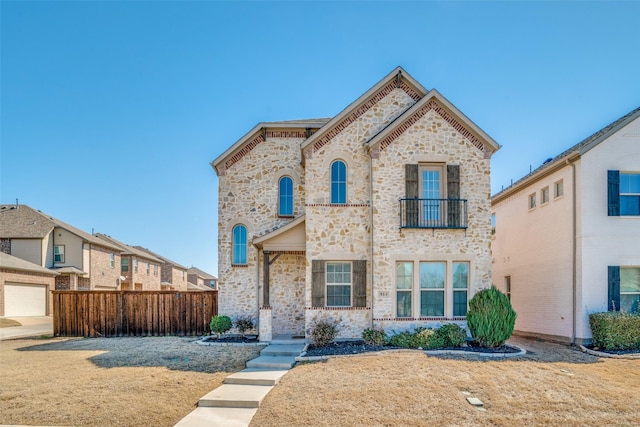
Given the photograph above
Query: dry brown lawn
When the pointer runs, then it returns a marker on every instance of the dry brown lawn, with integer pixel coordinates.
(153, 381)
(553, 386)
(8, 323)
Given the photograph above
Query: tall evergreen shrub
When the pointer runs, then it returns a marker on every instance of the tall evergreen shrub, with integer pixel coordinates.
(490, 317)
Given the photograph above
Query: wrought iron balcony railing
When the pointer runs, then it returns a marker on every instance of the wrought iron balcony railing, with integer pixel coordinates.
(433, 213)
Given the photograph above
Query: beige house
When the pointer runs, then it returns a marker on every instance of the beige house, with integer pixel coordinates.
(173, 276)
(83, 261)
(201, 280)
(379, 216)
(567, 236)
(139, 270)
(25, 287)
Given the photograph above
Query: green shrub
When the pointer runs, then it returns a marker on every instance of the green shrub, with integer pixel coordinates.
(451, 335)
(403, 339)
(490, 317)
(375, 336)
(615, 330)
(420, 338)
(324, 332)
(220, 325)
(243, 324)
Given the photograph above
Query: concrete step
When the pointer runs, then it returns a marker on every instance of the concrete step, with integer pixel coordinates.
(285, 339)
(256, 376)
(235, 396)
(228, 417)
(272, 362)
(282, 350)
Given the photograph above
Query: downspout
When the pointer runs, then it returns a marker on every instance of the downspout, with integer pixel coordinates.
(371, 228)
(257, 286)
(574, 263)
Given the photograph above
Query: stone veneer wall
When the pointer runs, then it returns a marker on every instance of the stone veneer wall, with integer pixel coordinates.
(351, 321)
(286, 294)
(342, 232)
(248, 195)
(431, 139)
(101, 273)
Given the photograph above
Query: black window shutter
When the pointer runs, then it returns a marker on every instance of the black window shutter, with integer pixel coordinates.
(613, 193)
(359, 283)
(317, 283)
(411, 193)
(453, 194)
(613, 301)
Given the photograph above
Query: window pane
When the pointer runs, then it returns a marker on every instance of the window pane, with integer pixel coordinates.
(432, 275)
(630, 280)
(338, 182)
(460, 303)
(630, 303)
(629, 183)
(629, 205)
(460, 275)
(404, 304)
(338, 295)
(286, 196)
(239, 245)
(431, 303)
(404, 275)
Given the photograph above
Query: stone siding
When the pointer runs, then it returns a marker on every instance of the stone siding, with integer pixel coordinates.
(286, 294)
(351, 322)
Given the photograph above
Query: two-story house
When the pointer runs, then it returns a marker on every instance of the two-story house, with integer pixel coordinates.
(201, 279)
(82, 261)
(139, 270)
(173, 276)
(379, 216)
(567, 236)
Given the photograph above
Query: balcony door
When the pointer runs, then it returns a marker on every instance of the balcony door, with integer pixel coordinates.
(432, 189)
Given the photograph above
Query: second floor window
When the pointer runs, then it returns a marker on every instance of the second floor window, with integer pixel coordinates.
(58, 253)
(338, 182)
(135, 265)
(629, 194)
(124, 263)
(239, 245)
(112, 260)
(148, 268)
(285, 203)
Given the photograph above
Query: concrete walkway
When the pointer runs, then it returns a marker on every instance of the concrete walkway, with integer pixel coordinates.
(31, 327)
(236, 401)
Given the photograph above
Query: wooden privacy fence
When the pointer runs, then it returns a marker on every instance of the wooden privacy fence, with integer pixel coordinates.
(132, 313)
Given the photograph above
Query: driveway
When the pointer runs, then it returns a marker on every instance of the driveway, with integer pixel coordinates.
(31, 327)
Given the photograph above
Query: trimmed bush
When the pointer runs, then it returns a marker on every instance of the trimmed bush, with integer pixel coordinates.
(451, 335)
(220, 325)
(615, 330)
(403, 339)
(243, 324)
(324, 332)
(375, 336)
(490, 317)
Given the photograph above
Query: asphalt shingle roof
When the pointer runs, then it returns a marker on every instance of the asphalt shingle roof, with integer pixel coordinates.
(13, 263)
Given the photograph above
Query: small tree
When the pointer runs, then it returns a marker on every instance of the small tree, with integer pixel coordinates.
(490, 317)
(220, 325)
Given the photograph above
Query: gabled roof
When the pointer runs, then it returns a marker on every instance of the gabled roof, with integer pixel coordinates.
(195, 287)
(285, 237)
(398, 78)
(435, 101)
(13, 263)
(572, 153)
(258, 135)
(24, 222)
(160, 257)
(126, 249)
(201, 274)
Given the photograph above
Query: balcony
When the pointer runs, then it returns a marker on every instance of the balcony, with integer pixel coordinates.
(433, 213)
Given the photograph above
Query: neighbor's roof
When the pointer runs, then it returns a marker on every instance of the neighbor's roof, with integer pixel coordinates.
(14, 263)
(200, 273)
(195, 287)
(165, 259)
(126, 249)
(24, 222)
(575, 151)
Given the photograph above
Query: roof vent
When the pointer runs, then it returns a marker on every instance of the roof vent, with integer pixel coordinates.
(547, 161)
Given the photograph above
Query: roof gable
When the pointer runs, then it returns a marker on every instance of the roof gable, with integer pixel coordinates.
(397, 79)
(445, 109)
(23, 222)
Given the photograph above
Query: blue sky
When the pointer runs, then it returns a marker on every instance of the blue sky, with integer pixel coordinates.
(112, 111)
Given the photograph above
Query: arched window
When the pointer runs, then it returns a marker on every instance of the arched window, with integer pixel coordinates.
(239, 245)
(338, 182)
(285, 207)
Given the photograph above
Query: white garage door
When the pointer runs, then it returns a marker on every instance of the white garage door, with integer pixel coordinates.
(25, 300)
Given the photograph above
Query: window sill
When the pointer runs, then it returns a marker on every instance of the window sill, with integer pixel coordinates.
(239, 265)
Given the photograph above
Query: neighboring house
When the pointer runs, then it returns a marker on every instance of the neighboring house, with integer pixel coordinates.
(25, 287)
(173, 276)
(83, 261)
(567, 236)
(379, 216)
(201, 279)
(139, 270)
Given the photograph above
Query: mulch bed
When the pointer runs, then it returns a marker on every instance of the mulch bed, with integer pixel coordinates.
(618, 352)
(357, 347)
(232, 339)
